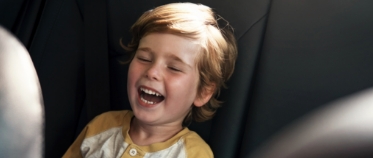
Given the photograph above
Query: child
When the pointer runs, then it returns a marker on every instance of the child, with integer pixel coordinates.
(180, 59)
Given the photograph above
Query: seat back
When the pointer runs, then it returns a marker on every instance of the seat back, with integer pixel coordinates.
(313, 52)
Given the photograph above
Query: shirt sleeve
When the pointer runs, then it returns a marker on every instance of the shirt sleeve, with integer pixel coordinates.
(196, 147)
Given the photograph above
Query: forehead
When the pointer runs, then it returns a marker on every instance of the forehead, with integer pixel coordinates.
(170, 45)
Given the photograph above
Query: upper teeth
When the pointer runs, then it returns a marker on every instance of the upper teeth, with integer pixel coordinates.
(147, 91)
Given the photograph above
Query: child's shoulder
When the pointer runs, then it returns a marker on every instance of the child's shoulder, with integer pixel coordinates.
(116, 116)
(196, 146)
(109, 120)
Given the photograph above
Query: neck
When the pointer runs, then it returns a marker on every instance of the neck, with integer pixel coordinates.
(146, 134)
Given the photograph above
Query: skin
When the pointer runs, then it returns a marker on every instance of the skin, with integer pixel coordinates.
(166, 64)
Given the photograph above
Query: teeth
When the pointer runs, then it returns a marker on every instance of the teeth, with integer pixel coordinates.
(147, 102)
(147, 91)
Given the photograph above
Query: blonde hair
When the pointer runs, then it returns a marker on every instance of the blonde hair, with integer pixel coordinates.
(218, 46)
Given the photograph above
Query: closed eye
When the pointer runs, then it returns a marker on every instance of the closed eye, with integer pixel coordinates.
(174, 69)
(143, 59)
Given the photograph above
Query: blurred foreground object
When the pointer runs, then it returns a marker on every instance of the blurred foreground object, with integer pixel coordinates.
(343, 129)
(21, 107)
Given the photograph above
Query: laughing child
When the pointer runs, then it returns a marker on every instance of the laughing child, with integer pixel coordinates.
(180, 60)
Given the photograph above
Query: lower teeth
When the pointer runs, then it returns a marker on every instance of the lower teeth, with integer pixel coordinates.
(147, 102)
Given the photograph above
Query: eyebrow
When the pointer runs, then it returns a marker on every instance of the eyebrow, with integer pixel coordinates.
(146, 49)
(176, 58)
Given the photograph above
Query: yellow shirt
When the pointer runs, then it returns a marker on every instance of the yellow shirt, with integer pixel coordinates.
(107, 136)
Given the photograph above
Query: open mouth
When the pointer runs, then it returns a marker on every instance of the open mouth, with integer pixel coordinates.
(149, 96)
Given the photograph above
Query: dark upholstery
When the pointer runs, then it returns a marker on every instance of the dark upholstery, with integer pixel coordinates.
(294, 56)
(313, 53)
(21, 102)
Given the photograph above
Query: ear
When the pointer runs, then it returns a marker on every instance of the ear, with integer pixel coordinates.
(205, 96)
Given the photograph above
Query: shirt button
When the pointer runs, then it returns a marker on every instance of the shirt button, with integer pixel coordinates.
(133, 152)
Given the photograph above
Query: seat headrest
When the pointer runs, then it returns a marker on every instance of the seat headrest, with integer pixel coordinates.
(21, 107)
(341, 129)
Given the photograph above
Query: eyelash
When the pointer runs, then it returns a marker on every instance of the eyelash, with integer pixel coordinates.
(170, 67)
(143, 59)
(174, 69)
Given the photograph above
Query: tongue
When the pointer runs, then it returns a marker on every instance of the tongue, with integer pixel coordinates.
(152, 98)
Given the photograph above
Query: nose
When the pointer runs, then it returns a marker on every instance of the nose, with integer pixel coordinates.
(154, 72)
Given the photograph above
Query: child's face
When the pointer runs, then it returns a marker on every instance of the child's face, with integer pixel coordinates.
(164, 65)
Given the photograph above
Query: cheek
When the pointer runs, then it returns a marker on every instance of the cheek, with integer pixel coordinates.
(132, 76)
(187, 87)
